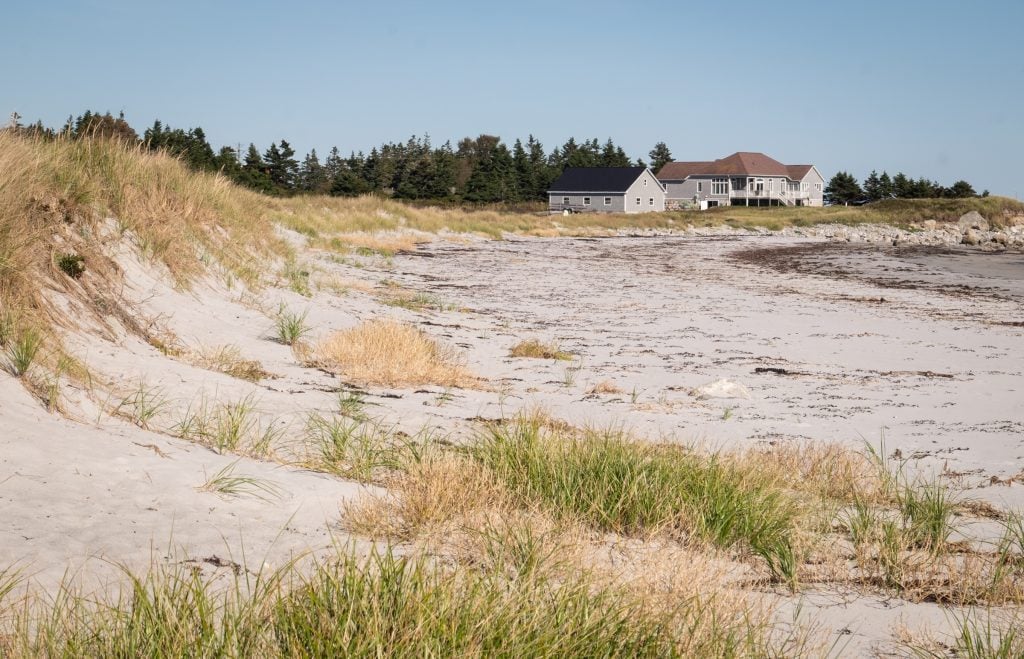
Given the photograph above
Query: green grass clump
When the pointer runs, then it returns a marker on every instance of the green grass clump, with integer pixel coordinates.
(615, 484)
(73, 265)
(22, 350)
(291, 326)
(392, 606)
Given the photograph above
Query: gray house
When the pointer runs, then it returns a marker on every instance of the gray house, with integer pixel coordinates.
(606, 190)
(742, 179)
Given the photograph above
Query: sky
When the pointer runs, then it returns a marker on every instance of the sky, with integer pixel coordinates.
(933, 89)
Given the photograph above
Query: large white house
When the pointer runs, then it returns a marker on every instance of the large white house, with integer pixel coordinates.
(742, 179)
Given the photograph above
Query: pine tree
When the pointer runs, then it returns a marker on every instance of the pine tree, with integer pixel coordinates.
(872, 186)
(226, 162)
(281, 167)
(254, 171)
(660, 156)
(493, 179)
(312, 177)
(333, 165)
(962, 189)
(885, 186)
(843, 188)
(902, 186)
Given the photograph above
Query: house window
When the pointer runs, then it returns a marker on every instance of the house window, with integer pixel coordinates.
(638, 201)
(719, 186)
(817, 186)
(565, 201)
(805, 187)
(645, 183)
(650, 201)
(586, 201)
(700, 187)
(607, 201)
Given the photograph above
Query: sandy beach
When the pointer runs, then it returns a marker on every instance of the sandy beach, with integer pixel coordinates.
(914, 352)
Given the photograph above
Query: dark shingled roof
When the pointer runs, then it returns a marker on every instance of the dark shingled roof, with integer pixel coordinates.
(596, 179)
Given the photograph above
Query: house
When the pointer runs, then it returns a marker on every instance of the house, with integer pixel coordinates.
(742, 179)
(606, 190)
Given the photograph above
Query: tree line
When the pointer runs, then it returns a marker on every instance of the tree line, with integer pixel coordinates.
(843, 188)
(482, 169)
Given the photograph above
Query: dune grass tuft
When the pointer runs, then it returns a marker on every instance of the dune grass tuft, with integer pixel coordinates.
(537, 349)
(392, 354)
(620, 485)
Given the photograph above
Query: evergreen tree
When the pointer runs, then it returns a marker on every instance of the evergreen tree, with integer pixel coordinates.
(542, 173)
(312, 176)
(333, 165)
(226, 162)
(493, 179)
(843, 188)
(872, 186)
(885, 186)
(254, 171)
(660, 156)
(442, 183)
(902, 186)
(281, 167)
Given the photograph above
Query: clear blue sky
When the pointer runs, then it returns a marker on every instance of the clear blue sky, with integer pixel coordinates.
(934, 89)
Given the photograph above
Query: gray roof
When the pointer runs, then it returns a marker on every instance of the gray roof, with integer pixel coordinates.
(596, 179)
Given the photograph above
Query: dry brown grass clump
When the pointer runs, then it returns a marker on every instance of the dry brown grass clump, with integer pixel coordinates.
(537, 349)
(386, 244)
(605, 387)
(392, 354)
(229, 360)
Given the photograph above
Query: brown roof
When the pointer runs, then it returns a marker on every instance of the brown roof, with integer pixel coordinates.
(742, 163)
(679, 170)
(798, 172)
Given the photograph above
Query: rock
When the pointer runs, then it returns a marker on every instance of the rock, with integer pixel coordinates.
(972, 220)
(721, 389)
(971, 237)
(1001, 238)
(929, 225)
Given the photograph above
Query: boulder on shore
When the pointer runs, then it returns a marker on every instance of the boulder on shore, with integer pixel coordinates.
(972, 220)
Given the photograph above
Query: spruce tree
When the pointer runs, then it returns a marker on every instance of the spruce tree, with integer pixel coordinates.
(885, 187)
(872, 186)
(843, 188)
(660, 156)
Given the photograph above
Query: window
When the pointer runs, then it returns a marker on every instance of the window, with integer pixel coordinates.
(650, 202)
(607, 201)
(645, 182)
(719, 186)
(805, 187)
(586, 201)
(817, 186)
(700, 187)
(565, 201)
(638, 201)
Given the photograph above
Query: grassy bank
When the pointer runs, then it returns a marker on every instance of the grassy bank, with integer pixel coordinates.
(895, 212)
